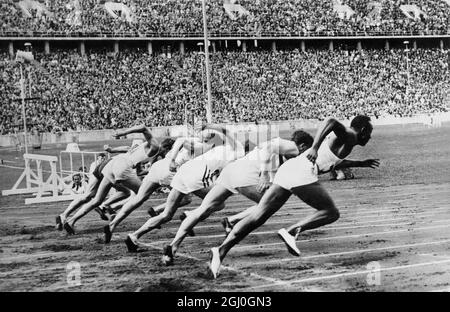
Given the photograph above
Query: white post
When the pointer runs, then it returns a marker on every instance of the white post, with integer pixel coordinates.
(407, 70)
(22, 94)
(29, 82)
(203, 81)
(82, 48)
(359, 46)
(47, 47)
(150, 48)
(82, 163)
(181, 47)
(185, 114)
(11, 49)
(244, 46)
(208, 78)
(27, 173)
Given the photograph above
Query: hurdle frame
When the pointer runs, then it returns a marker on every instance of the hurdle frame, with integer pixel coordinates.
(71, 171)
(52, 184)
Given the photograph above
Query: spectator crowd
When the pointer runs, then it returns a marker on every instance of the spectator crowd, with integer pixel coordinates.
(266, 17)
(102, 90)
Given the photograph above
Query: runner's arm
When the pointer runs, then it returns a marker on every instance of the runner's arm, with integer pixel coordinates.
(368, 163)
(224, 133)
(330, 125)
(116, 150)
(277, 146)
(195, 146)
(137, 129)
(177, 146)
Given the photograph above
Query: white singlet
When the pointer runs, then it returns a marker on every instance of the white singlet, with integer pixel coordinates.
(300, 170)
(137, 154)
(159, 172)
(246, 170)
(183, 155)
(202, 171)
(122, 167)
(218, 157)
(326, 159)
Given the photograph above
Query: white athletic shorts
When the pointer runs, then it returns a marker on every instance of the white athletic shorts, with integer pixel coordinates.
(159, 173)
(240, 173)
(119, 169)
(193, 176)
(295, 172)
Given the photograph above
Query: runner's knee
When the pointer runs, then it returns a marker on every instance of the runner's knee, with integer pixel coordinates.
(167, 216)
(187, 200)
(255, 219)
(83, 200)
(97, 201)
(137, 200)
(333, 215)
(213, 207)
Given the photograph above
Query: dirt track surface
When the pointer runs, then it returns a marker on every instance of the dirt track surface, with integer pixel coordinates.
(395, 219)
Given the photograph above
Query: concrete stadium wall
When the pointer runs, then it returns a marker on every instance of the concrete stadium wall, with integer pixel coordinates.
(285, 125)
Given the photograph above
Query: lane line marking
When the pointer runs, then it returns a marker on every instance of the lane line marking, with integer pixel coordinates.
(344, 253)
(345, 274)
(237, 247)
(274, 232)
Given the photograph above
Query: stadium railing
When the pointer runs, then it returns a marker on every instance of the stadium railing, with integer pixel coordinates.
(263, 34)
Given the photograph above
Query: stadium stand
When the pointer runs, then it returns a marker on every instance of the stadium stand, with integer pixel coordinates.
(173, 18)
(103, 90)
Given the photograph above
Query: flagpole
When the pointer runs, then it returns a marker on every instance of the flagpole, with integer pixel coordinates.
(208, 78)
(24, 117)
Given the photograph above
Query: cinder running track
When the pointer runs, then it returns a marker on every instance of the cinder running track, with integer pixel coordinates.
(393, 234)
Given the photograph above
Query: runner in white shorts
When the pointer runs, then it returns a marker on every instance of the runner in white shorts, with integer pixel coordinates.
(196, 176)
(95, 177)
(121, 170)
(160, 174)
(299, 176)
(250, 176)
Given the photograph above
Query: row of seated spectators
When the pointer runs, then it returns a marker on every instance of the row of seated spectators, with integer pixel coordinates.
(103, 90)
(267, 17)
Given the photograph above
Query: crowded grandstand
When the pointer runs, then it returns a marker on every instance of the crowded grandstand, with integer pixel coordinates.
(250, 82)
(171, 18)
(104, 91)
